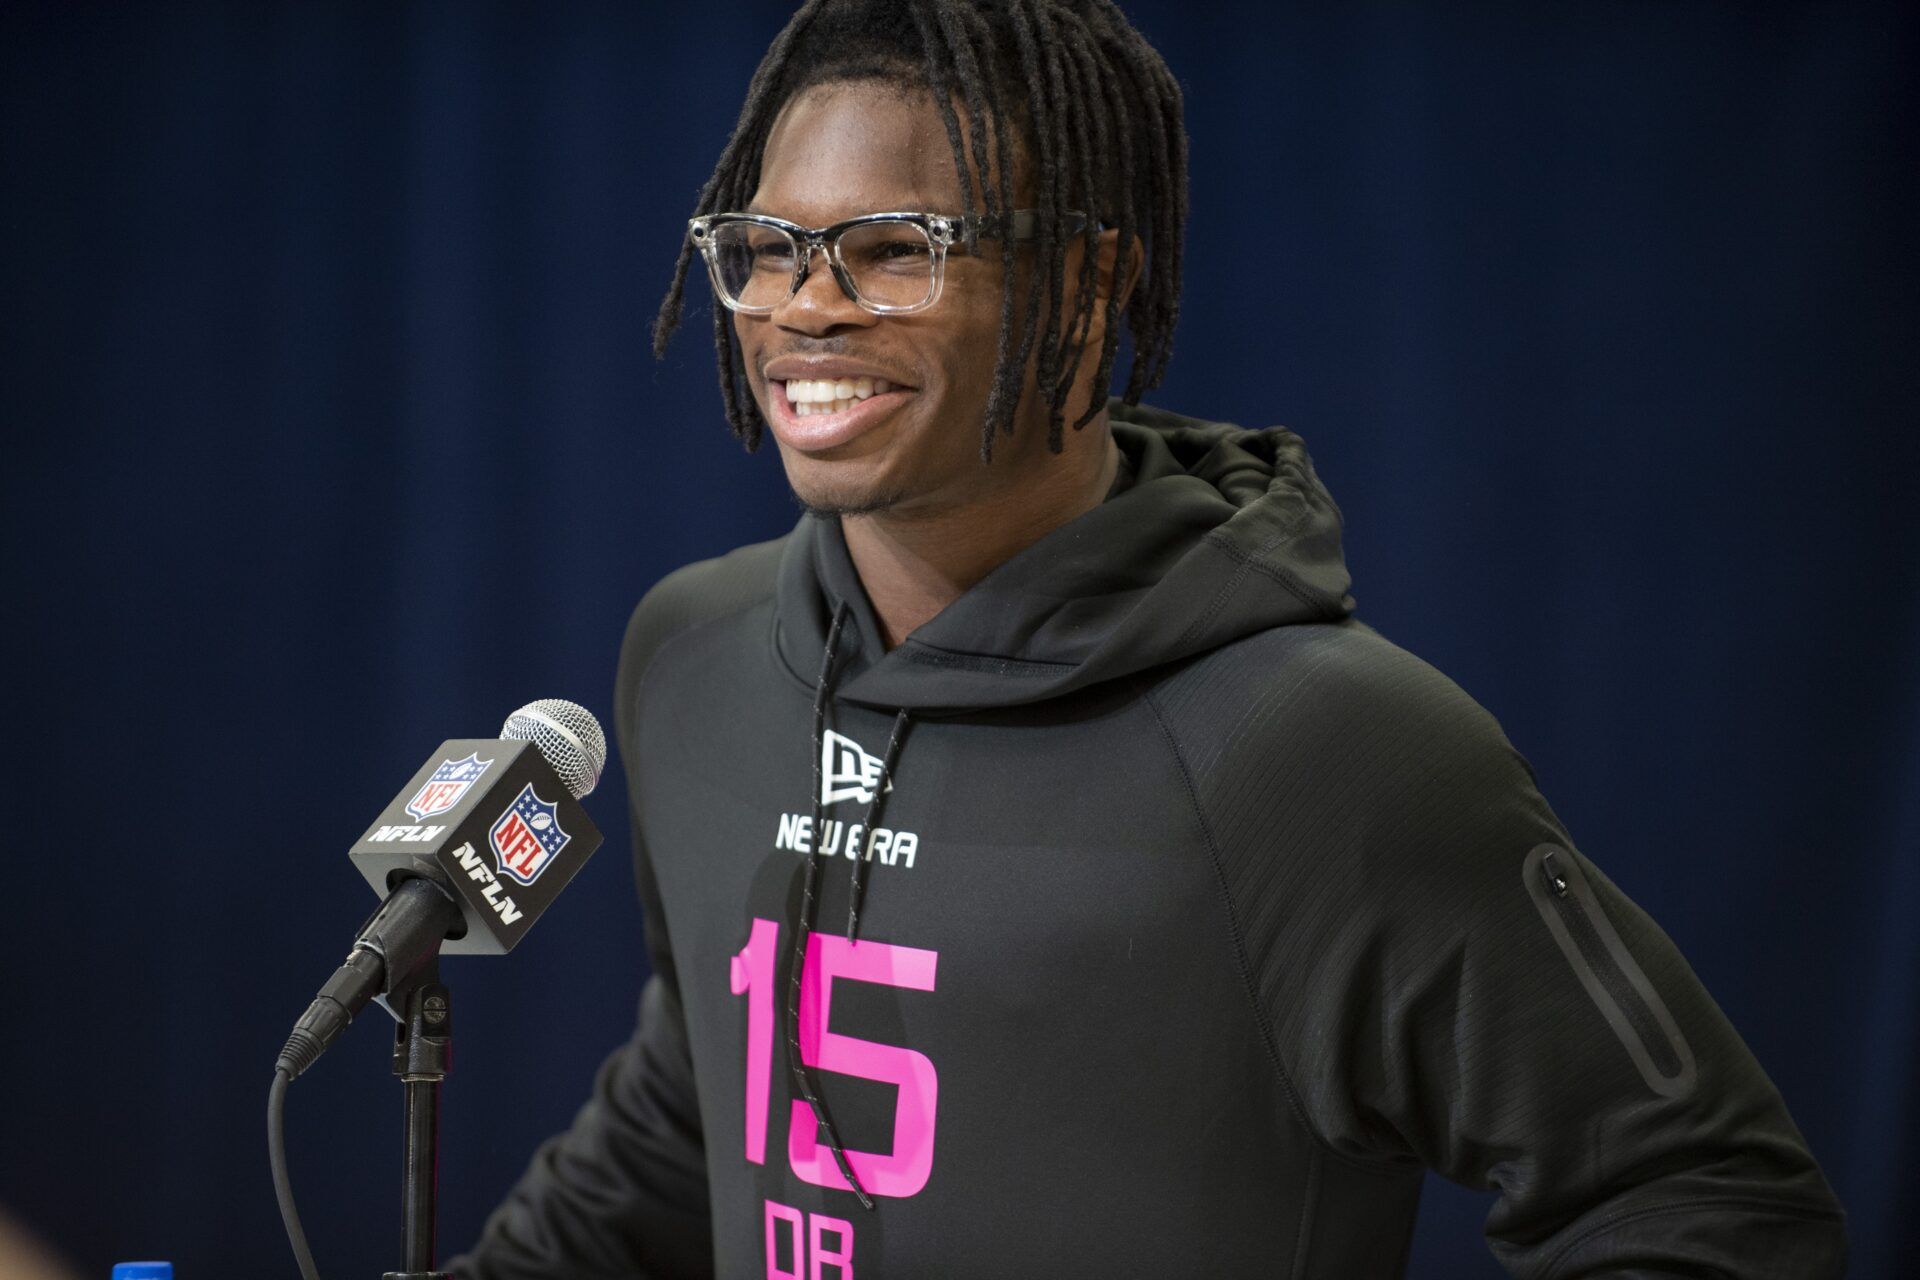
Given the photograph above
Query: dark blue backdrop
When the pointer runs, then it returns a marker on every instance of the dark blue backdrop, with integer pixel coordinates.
(331, 432)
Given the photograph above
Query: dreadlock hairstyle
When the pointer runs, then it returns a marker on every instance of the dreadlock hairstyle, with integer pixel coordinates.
(1099, 117)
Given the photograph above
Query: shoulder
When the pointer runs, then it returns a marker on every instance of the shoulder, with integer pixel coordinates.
(703, 592)
(1331, 742)
(1319, 687)
(1360, 807)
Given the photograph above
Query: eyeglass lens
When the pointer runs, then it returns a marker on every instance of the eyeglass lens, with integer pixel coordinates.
(890, 263)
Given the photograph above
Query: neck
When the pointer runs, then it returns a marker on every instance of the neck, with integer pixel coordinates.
(914, 564)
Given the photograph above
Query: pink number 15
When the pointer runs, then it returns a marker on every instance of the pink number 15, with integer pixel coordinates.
(898, 1173)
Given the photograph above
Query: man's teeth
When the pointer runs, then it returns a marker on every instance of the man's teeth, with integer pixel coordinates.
(830, 395)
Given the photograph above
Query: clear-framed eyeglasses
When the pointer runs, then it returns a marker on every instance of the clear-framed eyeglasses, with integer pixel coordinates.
(890, 263)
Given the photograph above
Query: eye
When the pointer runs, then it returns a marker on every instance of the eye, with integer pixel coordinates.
(746, 248)
(771, 251)
(895, 248)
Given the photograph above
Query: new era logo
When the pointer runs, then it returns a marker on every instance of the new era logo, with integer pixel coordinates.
(846, 771)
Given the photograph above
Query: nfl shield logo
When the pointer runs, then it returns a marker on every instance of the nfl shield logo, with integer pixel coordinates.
(443, 790)
(528, 837)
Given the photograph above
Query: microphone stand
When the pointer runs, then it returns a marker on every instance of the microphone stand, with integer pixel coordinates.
(422, 1056)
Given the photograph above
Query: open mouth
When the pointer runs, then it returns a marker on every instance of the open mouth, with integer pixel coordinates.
(809, 396)
(823, 413)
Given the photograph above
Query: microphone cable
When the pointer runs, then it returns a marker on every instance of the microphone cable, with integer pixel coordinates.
(282, 1184)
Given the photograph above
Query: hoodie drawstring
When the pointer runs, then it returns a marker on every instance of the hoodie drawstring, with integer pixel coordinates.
(802, 1074)
(857, 890)
(803, 1080)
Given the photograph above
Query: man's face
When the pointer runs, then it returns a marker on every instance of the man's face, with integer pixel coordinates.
(838, 151)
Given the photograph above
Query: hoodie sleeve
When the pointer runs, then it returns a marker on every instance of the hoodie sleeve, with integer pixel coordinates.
(623, 1192)
(1448, 981)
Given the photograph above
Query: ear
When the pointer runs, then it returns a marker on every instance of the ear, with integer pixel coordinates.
(1107, 255)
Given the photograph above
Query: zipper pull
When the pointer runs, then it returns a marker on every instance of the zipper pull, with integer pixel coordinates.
(1555, 881)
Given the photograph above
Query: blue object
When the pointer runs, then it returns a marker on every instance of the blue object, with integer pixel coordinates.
(143, 1271)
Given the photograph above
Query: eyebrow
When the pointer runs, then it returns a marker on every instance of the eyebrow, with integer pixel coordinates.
(915, 204)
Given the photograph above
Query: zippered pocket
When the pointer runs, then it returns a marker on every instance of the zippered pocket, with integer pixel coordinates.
(1619, 989)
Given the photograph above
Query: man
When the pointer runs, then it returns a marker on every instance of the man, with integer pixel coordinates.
(1044, 873)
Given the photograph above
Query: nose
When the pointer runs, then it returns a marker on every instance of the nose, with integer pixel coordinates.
(820, 305)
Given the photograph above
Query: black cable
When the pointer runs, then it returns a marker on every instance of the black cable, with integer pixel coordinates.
(282, 1186)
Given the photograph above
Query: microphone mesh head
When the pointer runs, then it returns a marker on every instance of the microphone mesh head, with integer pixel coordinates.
(567, 735)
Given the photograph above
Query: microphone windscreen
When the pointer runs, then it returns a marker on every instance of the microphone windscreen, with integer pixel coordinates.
(567, 736)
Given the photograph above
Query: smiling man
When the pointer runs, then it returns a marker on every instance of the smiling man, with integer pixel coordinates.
(1045, 873)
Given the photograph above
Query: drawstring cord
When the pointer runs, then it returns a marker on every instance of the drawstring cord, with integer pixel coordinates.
(803, 1080)
(857, 890)
(802, 1074)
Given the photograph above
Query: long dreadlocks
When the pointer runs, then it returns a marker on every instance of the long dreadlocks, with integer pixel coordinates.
(1099, 116)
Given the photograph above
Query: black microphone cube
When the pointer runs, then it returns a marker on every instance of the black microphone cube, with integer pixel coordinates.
(488, 819)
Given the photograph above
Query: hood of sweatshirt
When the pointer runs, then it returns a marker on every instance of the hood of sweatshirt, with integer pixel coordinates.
(1223, 532)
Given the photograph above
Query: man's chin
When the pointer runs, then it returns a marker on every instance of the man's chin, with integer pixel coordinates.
(823, 502)
(841, 487)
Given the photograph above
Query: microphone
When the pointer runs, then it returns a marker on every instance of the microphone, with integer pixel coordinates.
(467, 857)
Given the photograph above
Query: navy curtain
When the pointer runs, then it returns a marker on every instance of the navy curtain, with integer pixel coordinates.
(331, 432)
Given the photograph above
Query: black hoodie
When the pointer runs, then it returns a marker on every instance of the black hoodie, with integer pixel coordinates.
(1198, 919)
